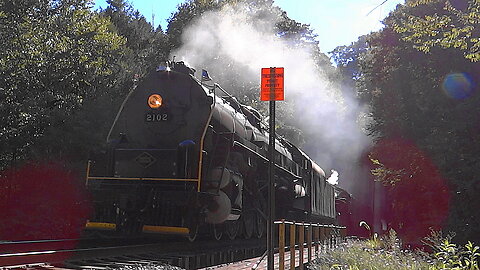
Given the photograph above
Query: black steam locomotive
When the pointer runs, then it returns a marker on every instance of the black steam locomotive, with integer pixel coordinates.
(183, 155)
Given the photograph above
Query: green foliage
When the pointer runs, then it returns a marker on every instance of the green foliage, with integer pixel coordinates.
(145, 47)
(450, 24)
(373, 242)
(389, 241)
(385, 253)
(65, 70)
(362, 255)
(386, 175)
(404, 88)
(448, 255)
(55, 55)
(186, 12)
(348, 58)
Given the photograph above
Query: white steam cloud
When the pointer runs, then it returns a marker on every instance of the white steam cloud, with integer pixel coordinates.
(333, 179)
(234, 43)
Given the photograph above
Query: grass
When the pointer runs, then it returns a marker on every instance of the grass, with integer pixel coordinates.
(357, 255)
(386, 254)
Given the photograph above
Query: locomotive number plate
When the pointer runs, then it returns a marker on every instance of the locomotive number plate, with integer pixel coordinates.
(156, 117)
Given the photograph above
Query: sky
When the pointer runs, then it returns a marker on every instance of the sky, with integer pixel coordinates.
(336, 22)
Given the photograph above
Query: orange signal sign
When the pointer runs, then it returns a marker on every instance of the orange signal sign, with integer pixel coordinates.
(272, 84)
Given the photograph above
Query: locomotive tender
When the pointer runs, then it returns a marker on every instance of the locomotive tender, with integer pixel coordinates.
(183, 155)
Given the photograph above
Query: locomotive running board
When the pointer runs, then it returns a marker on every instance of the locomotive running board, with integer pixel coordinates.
(165, 229)
(100, 225)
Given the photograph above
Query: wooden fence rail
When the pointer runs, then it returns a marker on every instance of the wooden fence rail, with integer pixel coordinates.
(318, 236)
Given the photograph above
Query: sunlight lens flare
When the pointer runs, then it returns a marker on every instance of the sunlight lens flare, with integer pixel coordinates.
(458, 85)
(42, 201)
(416, 203)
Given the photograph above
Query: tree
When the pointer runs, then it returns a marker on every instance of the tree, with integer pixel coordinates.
(416, 195)
(146, 47)
(348, 59)
(445, 24)
(55, 55)
(428, 99)
(186, 12)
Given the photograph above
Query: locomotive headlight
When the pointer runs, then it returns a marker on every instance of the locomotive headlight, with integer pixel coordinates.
(155, 101)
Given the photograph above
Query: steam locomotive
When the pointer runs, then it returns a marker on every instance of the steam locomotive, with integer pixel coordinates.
(184, 155)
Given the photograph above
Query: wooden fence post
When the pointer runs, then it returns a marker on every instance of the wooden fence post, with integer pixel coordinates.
(322, 236)
(343, 233)
(281, 245)
(329, 236)
(301, 242)
(309, 242)
(292, 246)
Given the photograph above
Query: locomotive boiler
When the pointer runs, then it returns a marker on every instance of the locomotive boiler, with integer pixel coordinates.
(184, 156)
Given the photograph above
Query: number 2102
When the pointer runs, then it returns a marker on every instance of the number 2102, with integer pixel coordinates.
(152, 117)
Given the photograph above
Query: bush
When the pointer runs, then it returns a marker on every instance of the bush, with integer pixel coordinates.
(385, 253)
(447, 255)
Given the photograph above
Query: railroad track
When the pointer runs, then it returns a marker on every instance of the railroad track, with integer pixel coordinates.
(103, 254)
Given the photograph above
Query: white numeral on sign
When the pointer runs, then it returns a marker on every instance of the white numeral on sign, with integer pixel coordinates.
(150, 117)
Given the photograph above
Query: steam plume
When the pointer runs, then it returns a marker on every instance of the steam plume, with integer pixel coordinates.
(235, 42)
(333, 179)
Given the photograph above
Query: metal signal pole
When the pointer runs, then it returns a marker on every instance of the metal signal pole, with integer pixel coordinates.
(271, 177)
(271, 90)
